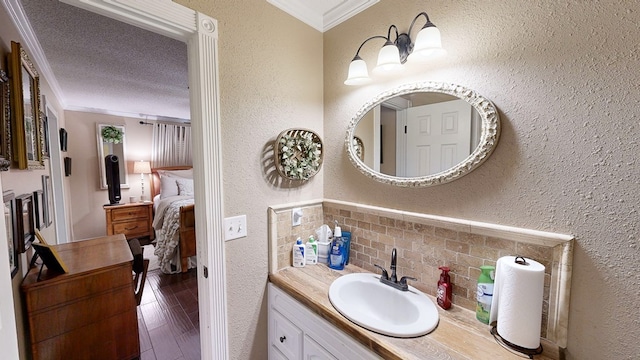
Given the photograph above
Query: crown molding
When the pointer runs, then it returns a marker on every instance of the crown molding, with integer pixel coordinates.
(344, 11)
(32, 45)
(326, 20)
(140, 116)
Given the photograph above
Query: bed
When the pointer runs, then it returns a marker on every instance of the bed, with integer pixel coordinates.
(173, 219)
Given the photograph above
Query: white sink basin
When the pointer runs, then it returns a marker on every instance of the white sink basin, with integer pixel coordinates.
(363, 299)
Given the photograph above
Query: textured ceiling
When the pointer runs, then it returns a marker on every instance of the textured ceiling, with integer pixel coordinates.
(108, 65)
(102, 65)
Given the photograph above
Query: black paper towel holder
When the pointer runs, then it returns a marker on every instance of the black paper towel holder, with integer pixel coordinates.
(513, 347)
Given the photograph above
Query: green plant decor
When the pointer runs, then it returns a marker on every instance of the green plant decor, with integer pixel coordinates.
(112, 134)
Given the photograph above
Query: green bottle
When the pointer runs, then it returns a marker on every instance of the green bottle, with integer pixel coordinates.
(485, 293)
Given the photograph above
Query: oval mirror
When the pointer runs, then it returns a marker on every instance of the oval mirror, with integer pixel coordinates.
(422, 134)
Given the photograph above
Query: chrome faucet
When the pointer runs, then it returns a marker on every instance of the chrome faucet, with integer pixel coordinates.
(393, 280)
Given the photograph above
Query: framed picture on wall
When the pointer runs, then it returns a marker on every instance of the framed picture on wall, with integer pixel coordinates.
(9, 199)
(47, 201)
(26, 123)
(38, 209)
(25, 221)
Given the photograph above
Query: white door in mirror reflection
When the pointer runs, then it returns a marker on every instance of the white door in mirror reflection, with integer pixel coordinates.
(437, 137)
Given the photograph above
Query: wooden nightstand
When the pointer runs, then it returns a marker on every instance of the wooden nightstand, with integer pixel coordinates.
(133, 220)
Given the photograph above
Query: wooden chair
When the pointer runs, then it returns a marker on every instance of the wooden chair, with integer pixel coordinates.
(140, 267)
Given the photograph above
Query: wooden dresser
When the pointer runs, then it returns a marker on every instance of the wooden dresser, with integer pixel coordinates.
(89, 312)
(133, 220)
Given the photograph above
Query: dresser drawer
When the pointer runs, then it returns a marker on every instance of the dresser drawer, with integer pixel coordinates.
(129, 213)
(83, 312)
(47, 295)
(132, 228)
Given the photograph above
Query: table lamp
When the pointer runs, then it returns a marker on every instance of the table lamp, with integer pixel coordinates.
(142, 167)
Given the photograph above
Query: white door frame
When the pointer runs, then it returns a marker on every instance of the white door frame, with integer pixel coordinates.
(200, 32)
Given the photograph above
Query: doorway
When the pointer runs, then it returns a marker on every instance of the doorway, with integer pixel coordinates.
(200, 33)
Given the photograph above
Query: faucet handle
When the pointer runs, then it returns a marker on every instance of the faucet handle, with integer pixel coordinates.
(403, 280)
(384, 275)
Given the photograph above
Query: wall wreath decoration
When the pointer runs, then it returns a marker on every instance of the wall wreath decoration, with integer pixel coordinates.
(298, 154)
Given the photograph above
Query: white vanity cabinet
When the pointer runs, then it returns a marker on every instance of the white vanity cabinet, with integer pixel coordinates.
(296, 333)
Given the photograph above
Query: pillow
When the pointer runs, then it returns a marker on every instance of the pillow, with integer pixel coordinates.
(185, 187)
(186, 174)
(168, 187)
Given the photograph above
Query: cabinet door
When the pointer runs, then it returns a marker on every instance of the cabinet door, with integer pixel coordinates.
(274, 354)
(285, 336)
(313, 350)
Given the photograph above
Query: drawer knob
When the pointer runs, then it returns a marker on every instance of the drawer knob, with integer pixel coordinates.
(283, 338)
(135, 227)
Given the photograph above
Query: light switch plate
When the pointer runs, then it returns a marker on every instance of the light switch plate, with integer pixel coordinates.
(235, 227)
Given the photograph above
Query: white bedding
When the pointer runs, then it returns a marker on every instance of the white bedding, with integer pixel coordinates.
(166, 223)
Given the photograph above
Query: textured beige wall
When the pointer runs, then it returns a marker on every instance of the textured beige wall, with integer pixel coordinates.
(270, 80)
(24, 181)
(564, 75)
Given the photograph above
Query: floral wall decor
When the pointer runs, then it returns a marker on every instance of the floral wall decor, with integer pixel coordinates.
(298, 154)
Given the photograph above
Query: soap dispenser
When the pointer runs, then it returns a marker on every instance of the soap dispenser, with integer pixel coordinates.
(444, 288)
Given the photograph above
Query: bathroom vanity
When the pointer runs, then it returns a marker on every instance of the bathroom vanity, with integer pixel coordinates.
(303, 323)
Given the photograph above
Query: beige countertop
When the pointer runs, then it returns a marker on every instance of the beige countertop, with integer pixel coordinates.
(458, 335)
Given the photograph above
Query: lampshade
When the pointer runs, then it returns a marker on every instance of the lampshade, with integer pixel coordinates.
(142, 167)
(388, 58)
(358, 74)
(428, 43)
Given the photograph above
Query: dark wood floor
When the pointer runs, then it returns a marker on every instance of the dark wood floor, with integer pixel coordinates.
(168, 317)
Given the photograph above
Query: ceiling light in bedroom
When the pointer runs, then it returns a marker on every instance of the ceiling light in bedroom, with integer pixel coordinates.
(142, 167)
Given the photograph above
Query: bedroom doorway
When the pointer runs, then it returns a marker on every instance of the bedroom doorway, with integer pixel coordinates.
(200, 33)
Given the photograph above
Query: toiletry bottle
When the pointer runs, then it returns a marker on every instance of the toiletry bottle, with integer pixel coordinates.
(298, 253)
(346, 237)
(485, 293)
(311, 255)
(336, 252)
(444, 288)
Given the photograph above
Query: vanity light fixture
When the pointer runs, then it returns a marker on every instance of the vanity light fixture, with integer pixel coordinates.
(142, 167)
(395, 53)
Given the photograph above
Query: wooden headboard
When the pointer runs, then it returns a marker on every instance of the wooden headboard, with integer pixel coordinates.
(155, 178)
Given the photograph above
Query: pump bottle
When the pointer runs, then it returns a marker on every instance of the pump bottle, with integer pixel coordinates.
(444, 288)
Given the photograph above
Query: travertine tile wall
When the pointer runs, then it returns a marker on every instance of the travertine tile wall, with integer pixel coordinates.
(421, 248)
(312, 218)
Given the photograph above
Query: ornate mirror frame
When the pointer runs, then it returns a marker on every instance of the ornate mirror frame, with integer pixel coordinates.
(26, 131)
(489, 134)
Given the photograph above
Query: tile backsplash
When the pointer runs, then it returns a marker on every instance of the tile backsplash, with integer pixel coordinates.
(423, 243)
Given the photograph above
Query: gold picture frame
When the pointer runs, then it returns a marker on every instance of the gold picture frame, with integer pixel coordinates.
(26, 124)
(5, 123)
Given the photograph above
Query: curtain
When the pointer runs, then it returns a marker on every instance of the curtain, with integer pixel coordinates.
(171, 145)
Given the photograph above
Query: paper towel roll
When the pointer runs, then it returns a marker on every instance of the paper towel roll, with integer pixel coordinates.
(517, 301)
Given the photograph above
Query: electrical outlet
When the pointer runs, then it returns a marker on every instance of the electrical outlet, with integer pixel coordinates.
(296, 216)
(235, 227)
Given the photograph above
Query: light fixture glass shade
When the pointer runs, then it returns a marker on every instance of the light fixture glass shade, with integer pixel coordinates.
(388, 58)
(428, 44)
(141, 167)
(358, 73)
